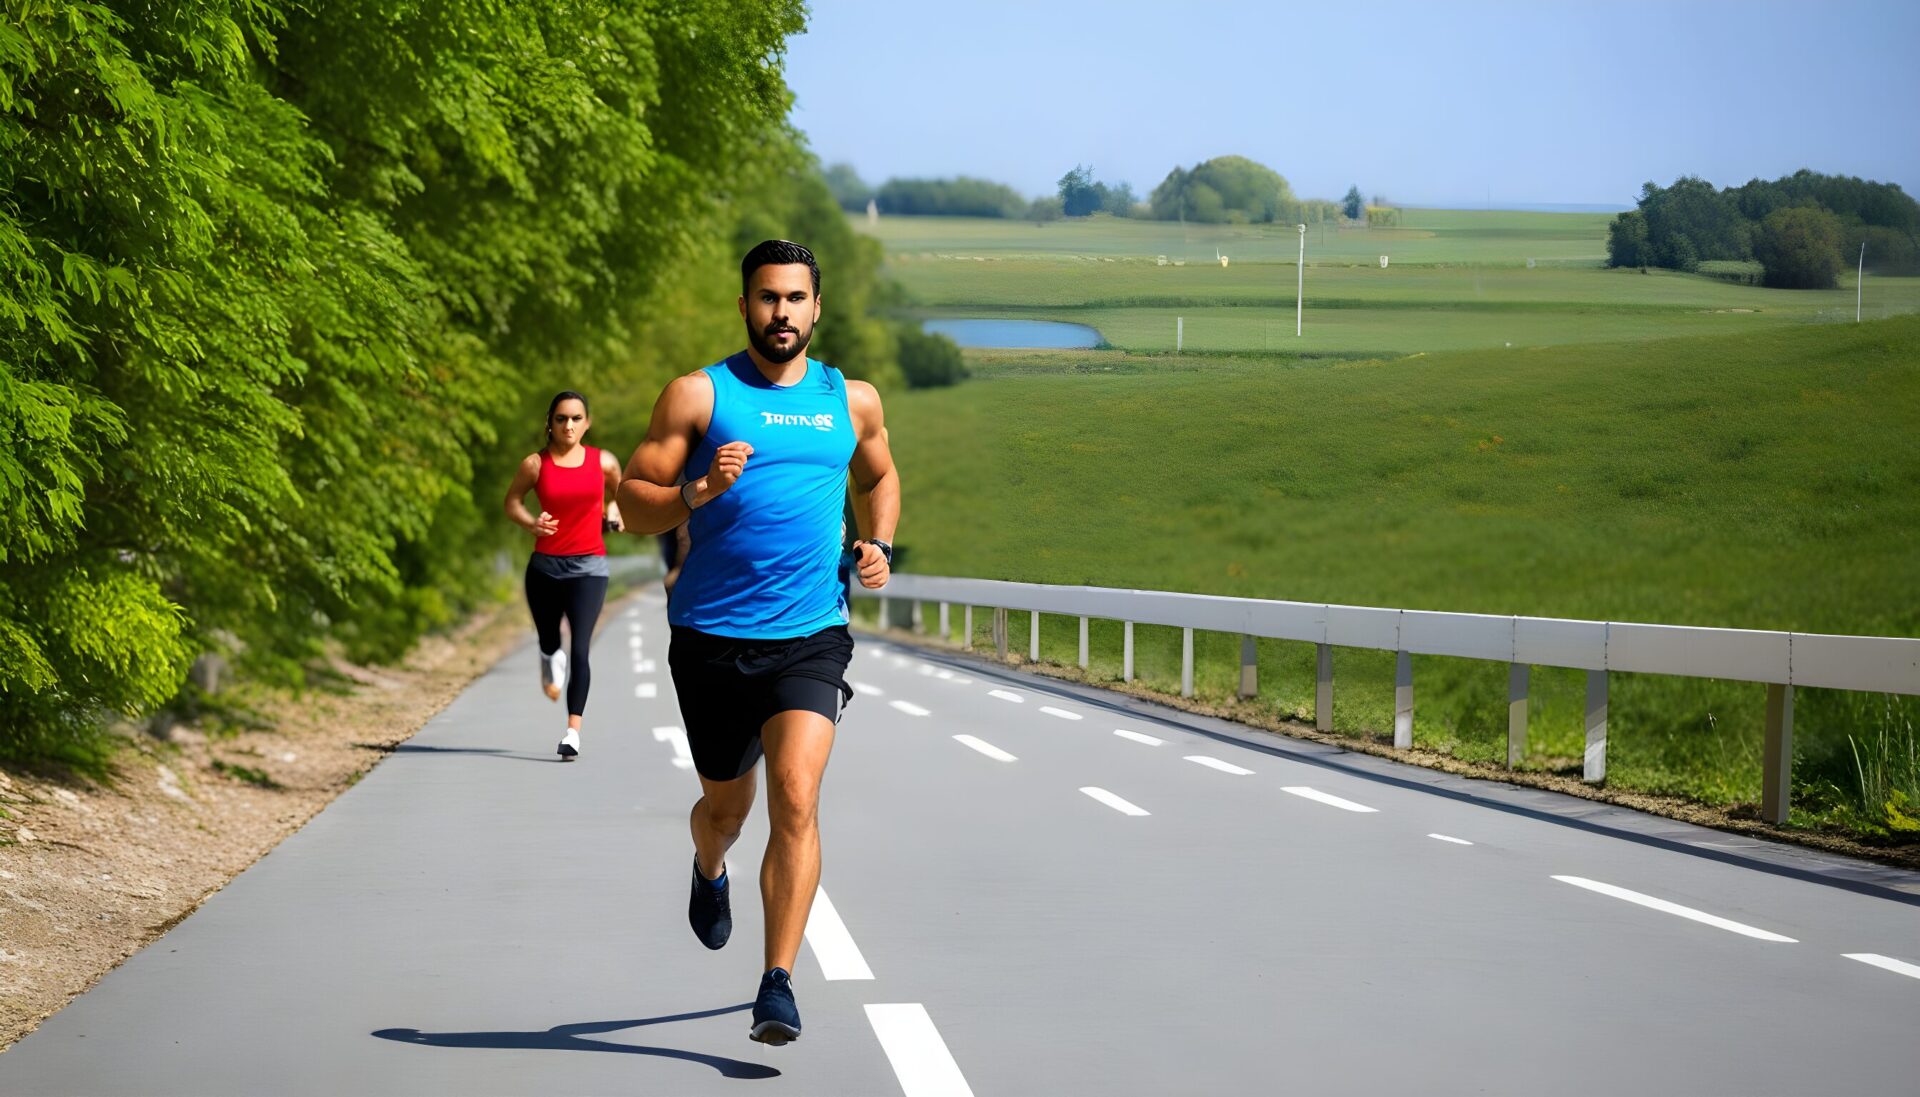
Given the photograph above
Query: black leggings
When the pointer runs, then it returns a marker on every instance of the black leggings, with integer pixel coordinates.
(578, 600)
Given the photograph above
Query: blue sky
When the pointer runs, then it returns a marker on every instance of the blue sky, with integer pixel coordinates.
(1456, 103)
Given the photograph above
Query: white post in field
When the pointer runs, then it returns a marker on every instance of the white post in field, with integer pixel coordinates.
(1860, 282)
(1300, 290)
(1179, 332)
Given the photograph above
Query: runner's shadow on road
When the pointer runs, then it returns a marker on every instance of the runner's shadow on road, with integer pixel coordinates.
(494, 752)
(573, 1038)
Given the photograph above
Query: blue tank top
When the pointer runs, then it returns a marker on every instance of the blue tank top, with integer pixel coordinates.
(765, 561)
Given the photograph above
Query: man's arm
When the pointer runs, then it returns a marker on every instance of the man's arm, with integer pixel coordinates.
(649, 498)
(876, 483)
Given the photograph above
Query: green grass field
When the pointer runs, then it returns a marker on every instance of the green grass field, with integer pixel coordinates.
(1768, 479)
(1455, 280)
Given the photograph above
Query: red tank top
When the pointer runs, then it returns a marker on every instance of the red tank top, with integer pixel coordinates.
(576, 497)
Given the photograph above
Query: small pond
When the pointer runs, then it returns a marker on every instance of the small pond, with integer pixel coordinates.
(1023, 334)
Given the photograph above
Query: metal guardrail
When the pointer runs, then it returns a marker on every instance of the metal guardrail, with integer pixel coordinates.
(1780, 660)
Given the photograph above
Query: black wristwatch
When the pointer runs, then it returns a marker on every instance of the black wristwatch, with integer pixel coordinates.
(886, 549)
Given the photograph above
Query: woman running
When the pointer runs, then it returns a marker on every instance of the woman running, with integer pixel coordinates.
(567, 575)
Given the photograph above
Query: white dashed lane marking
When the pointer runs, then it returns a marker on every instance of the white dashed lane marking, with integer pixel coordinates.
(1007, 695)
(646, 689)
(1138, 737)
(832, 945)
(1888, 963)
(919, 1056)
(1666, 907)
(1317, 796)
(985, 748)
(1455, 841)
(868, 690)
(1060, 712)
(908, 707)
(682, 754)
(1114, 802)
(1215, 763)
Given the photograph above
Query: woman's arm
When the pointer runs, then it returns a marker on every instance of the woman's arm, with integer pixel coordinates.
(546, 525)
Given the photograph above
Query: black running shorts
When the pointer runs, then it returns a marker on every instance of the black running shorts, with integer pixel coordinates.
(730, 688)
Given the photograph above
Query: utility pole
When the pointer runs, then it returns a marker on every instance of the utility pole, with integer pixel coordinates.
(1300, 291)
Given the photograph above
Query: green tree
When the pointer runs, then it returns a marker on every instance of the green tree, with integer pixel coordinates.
(1627, 240)
(1080, 195)
(1225, 189)
(929, 360)
(1800, 248)
(1352, 205)
(849, 190)
(282, 287)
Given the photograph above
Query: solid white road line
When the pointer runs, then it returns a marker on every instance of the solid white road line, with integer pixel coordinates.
(1455, 841)
(1673, 908)
(919, 1056)
(908, 707)
(1060, 712)
(832, 945)
(1115, 802)
(682, 753)
(1324, 798)
(985, 748)
(1138, 737)
(1215, 763)
(1007, 695)
(647, 689)
(867, 690)
(1911, 971)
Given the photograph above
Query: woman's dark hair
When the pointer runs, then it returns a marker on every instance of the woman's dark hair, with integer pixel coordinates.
(778, 253)
(569, 394)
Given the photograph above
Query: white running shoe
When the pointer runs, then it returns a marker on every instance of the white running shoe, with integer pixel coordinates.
(553, 673)
(570, 745)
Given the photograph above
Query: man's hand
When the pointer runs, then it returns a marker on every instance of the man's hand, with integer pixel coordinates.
(873, 566)
(729, 461)
(546, 525)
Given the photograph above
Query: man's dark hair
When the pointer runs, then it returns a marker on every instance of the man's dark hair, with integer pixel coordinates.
(778, 253)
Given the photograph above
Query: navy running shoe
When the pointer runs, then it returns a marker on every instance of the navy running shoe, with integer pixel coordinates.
(708, 911)
(776, 1020)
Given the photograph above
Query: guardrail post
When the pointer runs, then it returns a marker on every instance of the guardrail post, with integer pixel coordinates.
(918, 616)
(1000, 633)
(1776, 782)
(966, 622)
(1517, 682)
(1033, 636)
(886, 619)
(1083, 643)
(1126, 654)
(1186, 662)
(1323, 689)
(1596, 759)
(1403, 701)
(946, 628)
(1249, 667)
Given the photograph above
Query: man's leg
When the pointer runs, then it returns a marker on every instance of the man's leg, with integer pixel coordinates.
(797, 743)
(716, 820)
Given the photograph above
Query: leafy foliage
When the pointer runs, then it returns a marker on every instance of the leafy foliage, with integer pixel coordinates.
(284, 286)
(1231, 189)
(958, 197)
(1690, 223)
(1799, 248)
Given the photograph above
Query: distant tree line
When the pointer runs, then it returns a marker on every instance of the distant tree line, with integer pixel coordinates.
(1224, 190)
(1803, 228)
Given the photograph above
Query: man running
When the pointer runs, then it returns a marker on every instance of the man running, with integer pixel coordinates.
(753, 453)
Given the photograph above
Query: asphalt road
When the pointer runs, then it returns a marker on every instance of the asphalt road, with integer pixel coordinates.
(1035, 888)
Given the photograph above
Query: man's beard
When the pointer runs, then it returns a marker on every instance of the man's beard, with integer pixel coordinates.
(763, 342)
